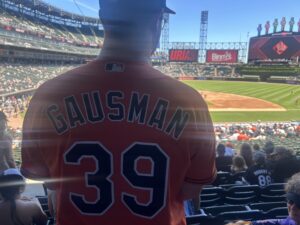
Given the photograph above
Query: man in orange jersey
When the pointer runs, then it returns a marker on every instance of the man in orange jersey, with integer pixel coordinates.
(125, 143)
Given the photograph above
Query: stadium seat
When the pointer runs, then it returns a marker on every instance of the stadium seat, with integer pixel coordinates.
(241, 215)
(212, 190)
(211, 196)
(211, 202)
(276, 213)
(276, 189)
(216, 210)
(236, 177)
(242, 191)
(222, 178)
(271, 198)
(241, 194)
(203, 220)
(266, 206)
(240, 200)
(227, 186)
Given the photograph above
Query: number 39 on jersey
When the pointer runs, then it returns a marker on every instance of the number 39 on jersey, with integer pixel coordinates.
(155, 182)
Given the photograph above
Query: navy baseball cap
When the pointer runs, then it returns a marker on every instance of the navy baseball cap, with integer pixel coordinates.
(293, 198)
(140, 5)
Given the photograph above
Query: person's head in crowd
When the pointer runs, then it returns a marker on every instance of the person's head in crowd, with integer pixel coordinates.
(259, 159)
(292, 189)
(246, 152)
(269, 147)
(3, 123)
(229, 145)
(256, 147)
(221, 150)
(281, 152)
(238, 164)
(12, 184)
(131, 26)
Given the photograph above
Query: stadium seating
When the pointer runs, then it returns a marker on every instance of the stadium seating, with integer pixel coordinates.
(46, 31)
(217, 210)
(277, 213)
(266, 206)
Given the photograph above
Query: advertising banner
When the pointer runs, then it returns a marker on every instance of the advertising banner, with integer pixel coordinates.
(222, 56)
(183, 55)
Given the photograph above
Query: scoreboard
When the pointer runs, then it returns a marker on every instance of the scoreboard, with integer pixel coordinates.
(277, 46)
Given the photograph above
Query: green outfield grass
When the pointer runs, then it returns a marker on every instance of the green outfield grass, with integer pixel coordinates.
(281, 94)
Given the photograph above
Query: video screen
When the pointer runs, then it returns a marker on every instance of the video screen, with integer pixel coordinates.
(276, 47)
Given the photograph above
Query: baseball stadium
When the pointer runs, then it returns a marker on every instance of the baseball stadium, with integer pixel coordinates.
(252, 90)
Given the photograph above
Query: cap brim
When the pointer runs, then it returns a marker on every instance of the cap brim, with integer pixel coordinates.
(170, 11)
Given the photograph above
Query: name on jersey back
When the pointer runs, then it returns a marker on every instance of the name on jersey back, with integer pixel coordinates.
(94, 110)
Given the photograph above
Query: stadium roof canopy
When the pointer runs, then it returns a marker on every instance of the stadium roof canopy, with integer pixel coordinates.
(49, 9)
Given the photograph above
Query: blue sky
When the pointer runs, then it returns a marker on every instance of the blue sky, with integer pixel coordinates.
(229, 20)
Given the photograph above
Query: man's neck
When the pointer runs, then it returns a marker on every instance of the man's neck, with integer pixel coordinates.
(138, 50)
(123, 55)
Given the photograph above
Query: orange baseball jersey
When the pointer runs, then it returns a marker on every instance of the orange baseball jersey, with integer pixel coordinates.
(119, 139)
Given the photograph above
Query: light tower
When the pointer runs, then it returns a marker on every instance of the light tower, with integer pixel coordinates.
(165, 33)
(203, 35)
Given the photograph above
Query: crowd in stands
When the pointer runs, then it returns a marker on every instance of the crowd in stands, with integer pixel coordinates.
(255, 183)
(18, 78)
(197, 70)
(50, 31)
(256, 131)
(260, 165)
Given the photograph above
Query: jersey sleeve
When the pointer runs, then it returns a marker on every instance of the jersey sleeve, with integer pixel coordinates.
(202, 145)
(34, 141)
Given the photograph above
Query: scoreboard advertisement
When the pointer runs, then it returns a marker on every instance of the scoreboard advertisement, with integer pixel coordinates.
(274, 47)
(222, 56)
(183, 55)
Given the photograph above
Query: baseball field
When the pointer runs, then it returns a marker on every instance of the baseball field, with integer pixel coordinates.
(250, 101)
(241, 101)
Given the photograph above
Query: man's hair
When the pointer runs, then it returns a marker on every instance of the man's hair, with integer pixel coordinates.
(3, 116)
(293, 184)
(256, 147)
(221, 149)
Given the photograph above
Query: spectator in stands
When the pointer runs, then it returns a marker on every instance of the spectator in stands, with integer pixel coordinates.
(285, 164)
(15, 210)
(268, 148)
(239, 164)
(257, 151)
(229, 149)
(223, 163)
(242, 136)
(259, 173)
(246, 152)
(6, 156)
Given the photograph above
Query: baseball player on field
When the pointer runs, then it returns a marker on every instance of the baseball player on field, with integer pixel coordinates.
(120, 142)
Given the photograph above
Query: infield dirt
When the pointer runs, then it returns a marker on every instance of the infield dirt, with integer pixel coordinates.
(218, 101)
